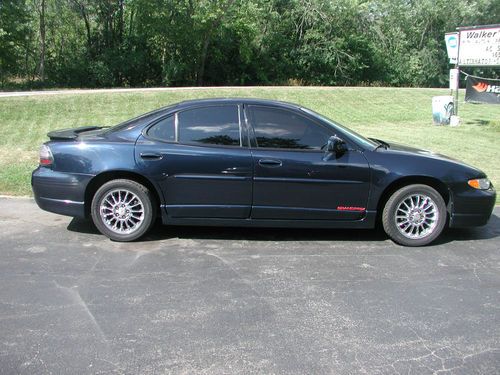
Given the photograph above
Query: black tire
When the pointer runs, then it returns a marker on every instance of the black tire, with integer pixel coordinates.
(119, 220)
(418, 225)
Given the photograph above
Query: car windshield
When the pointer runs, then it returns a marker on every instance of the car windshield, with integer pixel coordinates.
(364, 142)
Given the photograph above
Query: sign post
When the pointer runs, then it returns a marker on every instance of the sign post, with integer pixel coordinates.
(471, 46)
(452, 47)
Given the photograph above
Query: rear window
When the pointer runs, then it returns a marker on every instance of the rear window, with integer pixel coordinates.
(215, 125)
(164, 129)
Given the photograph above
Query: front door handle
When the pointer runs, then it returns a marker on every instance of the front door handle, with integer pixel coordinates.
(151, 155)
(270, 163)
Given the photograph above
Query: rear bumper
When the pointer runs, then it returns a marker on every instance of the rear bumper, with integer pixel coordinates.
(60, 192)
(472, 208)
(61, 207)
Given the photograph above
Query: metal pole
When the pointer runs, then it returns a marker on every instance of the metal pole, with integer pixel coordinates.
(457, 66)
(455, 105)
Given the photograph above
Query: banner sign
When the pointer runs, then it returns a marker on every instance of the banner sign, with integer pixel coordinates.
(451, 40)
(479, 46)
(481, 90)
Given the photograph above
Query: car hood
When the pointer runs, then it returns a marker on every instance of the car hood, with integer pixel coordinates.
(399, 149)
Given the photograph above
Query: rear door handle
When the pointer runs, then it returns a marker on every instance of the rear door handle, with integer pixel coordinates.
(270, 163)
(151, 156)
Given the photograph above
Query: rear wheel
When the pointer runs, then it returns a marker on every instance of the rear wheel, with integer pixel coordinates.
(414, 215)
(122, 210)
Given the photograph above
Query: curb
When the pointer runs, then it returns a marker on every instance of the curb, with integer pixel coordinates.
(3, 196)
(10, 94)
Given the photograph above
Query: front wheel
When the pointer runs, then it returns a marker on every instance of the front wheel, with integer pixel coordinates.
(122, 210)
(414, 215)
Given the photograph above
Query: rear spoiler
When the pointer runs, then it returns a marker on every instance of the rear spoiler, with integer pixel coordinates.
(70, 133)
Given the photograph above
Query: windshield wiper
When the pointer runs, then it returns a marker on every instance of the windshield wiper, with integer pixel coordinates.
(380, 143)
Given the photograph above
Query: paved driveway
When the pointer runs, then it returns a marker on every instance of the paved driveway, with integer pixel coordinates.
(240, 301)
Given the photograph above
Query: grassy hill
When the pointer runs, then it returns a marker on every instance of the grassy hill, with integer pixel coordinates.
(401, 115)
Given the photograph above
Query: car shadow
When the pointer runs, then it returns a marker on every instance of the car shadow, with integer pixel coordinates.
(83, 226)
(164, 232)
(161, 232)
(489, 231)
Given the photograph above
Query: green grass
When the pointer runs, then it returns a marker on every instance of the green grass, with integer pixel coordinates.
(400, 115)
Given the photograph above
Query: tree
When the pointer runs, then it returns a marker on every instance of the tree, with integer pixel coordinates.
(40, 7)
(100, 43)
(14, 30)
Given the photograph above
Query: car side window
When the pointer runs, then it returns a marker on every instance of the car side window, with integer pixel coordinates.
(164, 129)
(280, 128)
(215, 125)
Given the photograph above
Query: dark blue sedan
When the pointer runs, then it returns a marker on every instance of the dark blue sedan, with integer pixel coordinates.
(250, 162)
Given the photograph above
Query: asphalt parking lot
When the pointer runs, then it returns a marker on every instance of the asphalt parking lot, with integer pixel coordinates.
(243, 301)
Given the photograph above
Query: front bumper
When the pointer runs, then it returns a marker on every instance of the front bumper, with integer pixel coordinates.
(472, 207)
(60, 192)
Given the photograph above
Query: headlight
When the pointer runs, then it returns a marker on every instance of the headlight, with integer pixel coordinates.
(480, 183)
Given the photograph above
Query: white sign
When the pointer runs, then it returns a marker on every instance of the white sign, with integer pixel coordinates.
(454, 74)
(480, 46)
(451, 40)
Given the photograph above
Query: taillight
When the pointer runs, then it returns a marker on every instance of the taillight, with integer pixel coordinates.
(46, 157)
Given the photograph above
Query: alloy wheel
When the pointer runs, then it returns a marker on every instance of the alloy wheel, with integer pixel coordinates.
(416, 216)
(121, 211)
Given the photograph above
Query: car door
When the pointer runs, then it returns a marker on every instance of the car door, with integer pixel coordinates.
(294, 177)
(196, 156)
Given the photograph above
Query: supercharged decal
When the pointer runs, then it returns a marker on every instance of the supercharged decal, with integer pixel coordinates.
(351, 208)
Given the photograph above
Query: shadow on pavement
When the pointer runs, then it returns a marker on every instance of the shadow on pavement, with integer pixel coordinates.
(489, 231)
(161, 232)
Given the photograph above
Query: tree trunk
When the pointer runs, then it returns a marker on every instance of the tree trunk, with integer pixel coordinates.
(204, 51)
(41, 68)
(81, 8)
(27, 54)
(87, 27)
(131, 22)
(121, 20)
(203, 59)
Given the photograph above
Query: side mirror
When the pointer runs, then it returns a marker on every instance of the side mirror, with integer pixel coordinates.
(336, 145)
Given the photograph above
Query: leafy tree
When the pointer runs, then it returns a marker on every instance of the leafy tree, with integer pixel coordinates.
(104, 43)
(14, 42)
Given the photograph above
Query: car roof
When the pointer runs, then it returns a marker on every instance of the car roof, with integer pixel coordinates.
(145, 118)
(218, 101)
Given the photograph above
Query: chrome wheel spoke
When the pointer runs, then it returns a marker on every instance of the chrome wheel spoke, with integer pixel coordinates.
(407, 207)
